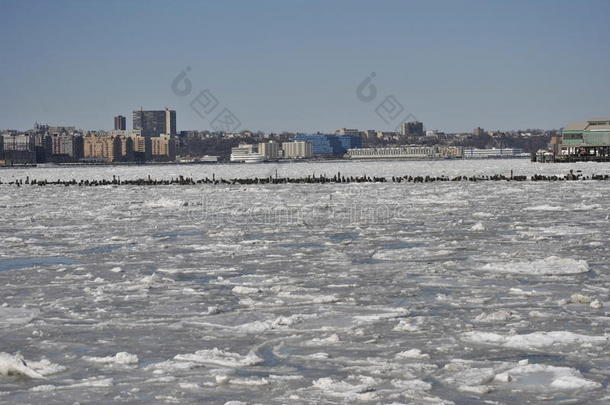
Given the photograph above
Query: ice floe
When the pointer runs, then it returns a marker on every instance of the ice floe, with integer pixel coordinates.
(534, 340)
(220, 358)
(541, 377)
(551, 265)
(119, 358)
(16, 365)
(359, 388)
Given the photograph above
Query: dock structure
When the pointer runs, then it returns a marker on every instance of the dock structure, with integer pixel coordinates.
(580, 141)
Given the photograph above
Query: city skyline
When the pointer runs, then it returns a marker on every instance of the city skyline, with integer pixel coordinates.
(452, 65)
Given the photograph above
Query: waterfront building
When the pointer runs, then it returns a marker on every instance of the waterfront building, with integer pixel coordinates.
(155, 123)
(142, 148)
(331, 145)
(297, 150)
(163, 147)
(64, 147)
(270, 150)
(473, 153)
(246, 153)
(102, 148)
(120, 123)
(585, 140)
(407, 152)
(19, 148)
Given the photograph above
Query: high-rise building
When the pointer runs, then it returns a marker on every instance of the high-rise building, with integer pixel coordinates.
(412, 128)
(120, 123)
(155, 123)
(297, 150)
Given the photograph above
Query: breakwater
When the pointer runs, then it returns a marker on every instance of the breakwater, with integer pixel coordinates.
(310, 179)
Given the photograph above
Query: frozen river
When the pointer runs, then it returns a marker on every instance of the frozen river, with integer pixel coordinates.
(435, 293)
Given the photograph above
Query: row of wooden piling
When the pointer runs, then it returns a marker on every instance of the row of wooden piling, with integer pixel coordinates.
(311, 179)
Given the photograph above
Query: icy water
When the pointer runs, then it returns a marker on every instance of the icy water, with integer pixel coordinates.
(380, 293)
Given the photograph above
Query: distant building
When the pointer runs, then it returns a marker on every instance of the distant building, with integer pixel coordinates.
(387, 135)
(62, 148)
(101, 148)
(407, 152)
(297, 150)
(155, 123)
(413, 128)
(369, 134)
(163, 147)
(19, 148)
(120, 123)
(347, 131)
(473, 153)
(583, 140)
(21, 142)
(331, 144)
(246, 153)
(59, 130)
(270, 150)
(142, 148)
(478, 131)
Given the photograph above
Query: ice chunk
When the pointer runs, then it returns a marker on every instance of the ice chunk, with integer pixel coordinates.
(535, 340)
(552, 265)
(16, 365)
(412, 354)
(334, 338)
(478, 227)
(119, 358)
(220, 358)
(580, 299)
(358, 388)
(277, 323)
(240, 289)
(412, 385)
(497, 316)
(544, 207)
(537, 377)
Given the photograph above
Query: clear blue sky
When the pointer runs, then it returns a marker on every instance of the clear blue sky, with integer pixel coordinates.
(295, 65)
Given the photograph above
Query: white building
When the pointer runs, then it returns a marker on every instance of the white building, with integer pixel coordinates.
(472, 153)
(246, 153)
(406, 152)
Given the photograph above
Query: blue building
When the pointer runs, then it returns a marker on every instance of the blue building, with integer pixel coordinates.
(331, 144)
